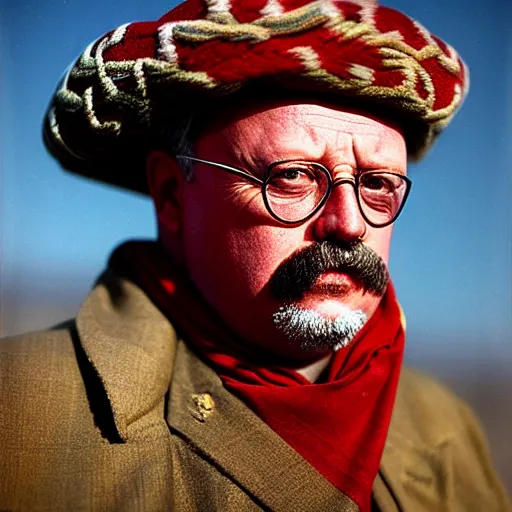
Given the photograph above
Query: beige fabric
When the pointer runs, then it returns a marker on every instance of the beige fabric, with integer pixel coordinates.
(114, 412)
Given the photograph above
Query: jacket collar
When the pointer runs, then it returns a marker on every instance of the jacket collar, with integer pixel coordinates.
(131, 346)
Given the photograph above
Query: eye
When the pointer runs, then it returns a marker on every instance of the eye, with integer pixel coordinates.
(293, 172)
(296, 179)
(293, 175)
(379, 183)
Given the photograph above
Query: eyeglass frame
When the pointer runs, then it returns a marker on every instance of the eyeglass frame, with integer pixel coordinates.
(354, 181)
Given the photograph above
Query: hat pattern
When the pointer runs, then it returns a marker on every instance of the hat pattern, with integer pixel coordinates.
(208, 48)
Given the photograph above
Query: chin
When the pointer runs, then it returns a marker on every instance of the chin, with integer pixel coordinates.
(319, 325)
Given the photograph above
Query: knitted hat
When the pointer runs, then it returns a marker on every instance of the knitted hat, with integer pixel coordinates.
(105, 113)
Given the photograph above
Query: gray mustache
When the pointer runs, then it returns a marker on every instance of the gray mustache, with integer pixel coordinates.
(298, 273)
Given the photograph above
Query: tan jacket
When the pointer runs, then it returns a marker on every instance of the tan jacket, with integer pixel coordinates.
(113, 412)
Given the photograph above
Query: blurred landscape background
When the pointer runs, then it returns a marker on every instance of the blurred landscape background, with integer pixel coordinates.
(452, 248)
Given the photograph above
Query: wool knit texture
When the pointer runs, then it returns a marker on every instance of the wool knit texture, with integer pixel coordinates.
(106, 109)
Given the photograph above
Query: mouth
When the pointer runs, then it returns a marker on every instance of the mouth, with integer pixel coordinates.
(333, 277)
(334, 283)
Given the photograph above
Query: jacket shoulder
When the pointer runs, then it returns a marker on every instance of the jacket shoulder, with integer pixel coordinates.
(41, 385)
(430, 411)
(39, 353)
(36, 341)
(430, 415)
(434, 437)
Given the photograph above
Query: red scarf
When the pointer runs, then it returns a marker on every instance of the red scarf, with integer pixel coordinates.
(339, 425)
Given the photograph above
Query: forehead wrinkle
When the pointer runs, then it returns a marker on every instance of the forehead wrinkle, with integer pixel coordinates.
(345, 133)
(339, 122)
(258, 139)
(285, 137)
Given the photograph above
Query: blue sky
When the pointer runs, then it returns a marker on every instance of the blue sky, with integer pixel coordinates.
(452, 250)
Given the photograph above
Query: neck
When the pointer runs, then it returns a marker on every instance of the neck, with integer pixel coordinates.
(314, 370)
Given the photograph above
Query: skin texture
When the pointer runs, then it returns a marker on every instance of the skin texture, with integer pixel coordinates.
(218, 228)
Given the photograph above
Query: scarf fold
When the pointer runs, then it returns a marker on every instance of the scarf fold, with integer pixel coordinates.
(338, 424)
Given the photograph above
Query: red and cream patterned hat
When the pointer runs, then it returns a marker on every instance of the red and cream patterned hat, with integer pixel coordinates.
(103, 115)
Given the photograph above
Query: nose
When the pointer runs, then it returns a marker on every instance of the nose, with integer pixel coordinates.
(341, 218)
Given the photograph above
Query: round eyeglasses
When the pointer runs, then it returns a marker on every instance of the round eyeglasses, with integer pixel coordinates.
(295, 190)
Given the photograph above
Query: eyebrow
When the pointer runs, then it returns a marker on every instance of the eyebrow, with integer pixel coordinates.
(372, 164)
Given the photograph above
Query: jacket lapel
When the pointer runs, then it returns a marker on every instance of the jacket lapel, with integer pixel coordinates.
(131, 347)
(244, 447)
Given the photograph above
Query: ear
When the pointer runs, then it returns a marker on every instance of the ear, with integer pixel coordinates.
(165, 182)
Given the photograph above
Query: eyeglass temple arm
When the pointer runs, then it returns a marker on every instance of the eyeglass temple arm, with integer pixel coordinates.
(232, 170)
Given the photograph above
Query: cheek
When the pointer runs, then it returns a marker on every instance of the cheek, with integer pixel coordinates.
(379, 239)
(257, 251)
(230, 248)
(203, 233)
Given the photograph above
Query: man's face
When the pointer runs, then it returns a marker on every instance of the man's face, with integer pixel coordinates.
(233, 247)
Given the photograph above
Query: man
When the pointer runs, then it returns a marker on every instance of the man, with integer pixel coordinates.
(251, 358)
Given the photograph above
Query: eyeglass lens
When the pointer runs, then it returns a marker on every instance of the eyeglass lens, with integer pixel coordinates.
(295, 189)
(381, 195)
